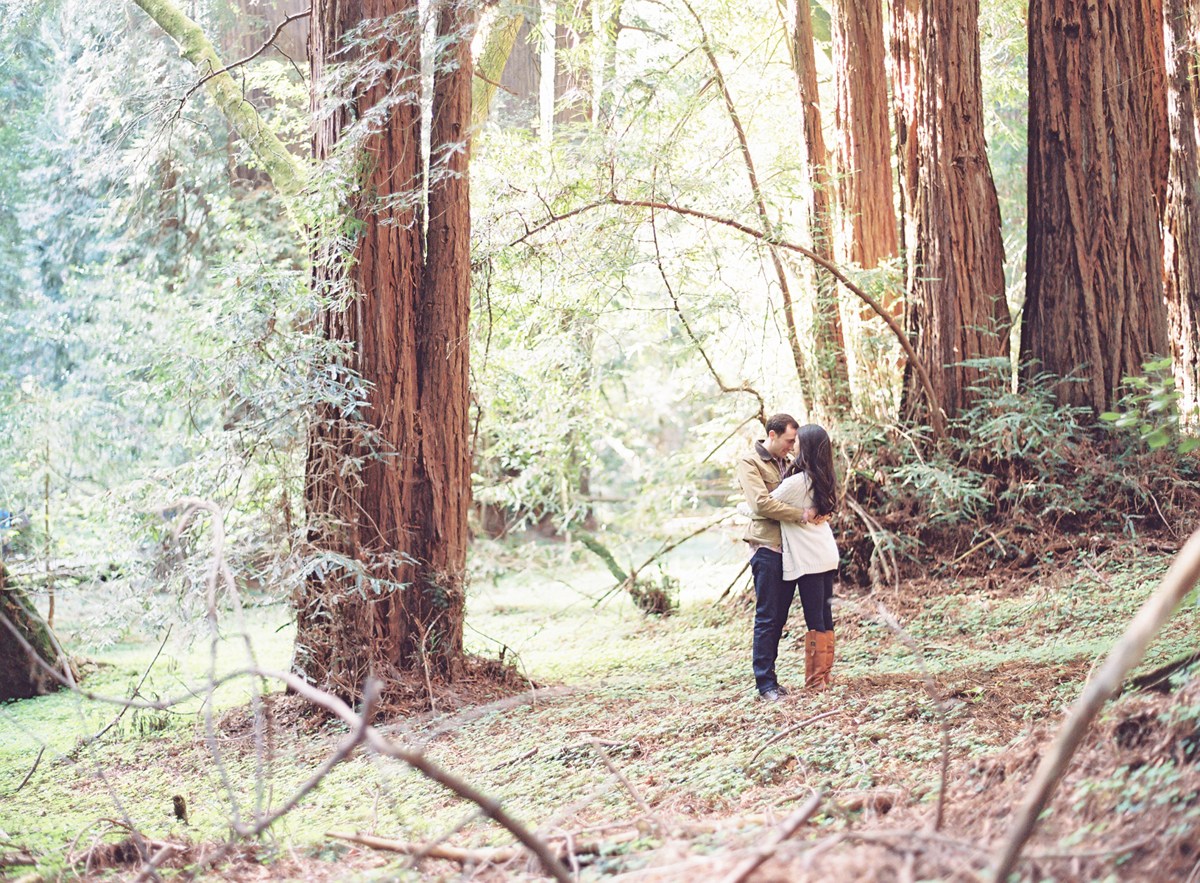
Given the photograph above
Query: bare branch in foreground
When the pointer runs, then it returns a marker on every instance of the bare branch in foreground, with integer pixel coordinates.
(789, 827)
(1127, 653)
(490, 806)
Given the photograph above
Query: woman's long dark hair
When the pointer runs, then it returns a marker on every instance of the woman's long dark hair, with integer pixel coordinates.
(814, 455)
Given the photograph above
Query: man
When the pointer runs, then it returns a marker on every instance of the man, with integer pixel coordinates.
(759, 472)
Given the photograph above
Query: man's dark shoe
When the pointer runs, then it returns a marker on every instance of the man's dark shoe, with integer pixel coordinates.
(772, 694)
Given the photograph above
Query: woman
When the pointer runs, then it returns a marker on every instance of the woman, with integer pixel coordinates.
(810, 553)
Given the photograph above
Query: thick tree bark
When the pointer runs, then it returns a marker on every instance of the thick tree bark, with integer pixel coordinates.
(828, 338)
(957, 309)
(1097, 169)
(388, 489)
(1181, 227)
(864, 144)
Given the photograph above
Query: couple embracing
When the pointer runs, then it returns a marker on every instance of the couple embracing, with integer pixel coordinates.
(789, 484)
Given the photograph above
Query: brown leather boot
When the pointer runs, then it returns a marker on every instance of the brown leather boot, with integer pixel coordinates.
(812, 658)
(827, 659)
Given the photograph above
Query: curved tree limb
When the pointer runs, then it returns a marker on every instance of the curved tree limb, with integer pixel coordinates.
(1127, 653)
(937, 420)
(287, 173)
(253, 55)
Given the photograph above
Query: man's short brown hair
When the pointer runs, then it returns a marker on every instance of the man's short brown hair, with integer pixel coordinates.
(779, 423)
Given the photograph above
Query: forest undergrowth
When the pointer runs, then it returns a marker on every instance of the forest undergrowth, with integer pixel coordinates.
(634, 747)
(644, 754)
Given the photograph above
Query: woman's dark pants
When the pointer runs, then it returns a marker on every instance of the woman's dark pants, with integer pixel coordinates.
(774, 598)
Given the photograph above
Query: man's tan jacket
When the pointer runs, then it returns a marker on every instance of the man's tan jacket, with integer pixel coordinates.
(758, 474)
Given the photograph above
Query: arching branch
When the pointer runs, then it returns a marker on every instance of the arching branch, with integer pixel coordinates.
(935, 411)
(287, 173)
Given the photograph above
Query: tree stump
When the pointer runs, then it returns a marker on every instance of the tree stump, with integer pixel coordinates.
(21, 676)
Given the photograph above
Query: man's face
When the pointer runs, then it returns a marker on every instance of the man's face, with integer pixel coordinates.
(777, 445)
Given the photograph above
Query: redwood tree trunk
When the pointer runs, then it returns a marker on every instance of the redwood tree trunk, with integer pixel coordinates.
(957, 309)
(1097, 167)
(828, 338)
(1181, 228)
(864, 135)
(387, 487)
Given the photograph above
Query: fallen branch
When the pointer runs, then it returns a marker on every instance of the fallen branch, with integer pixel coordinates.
(729, 588)
(29, 775)
(490, 806)
(788, 732)
(789, 827)
(1127, 653)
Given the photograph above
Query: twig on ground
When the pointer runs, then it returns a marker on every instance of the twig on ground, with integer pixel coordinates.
(570, 811)
(612, 767)
(29, 775)
(1127, 653)
(523, 756)
(788, 732)
(991, 537)
(529, 697)
(789, 827)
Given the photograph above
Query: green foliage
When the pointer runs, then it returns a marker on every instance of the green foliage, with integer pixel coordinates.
(1150, 406)
(1020, 458)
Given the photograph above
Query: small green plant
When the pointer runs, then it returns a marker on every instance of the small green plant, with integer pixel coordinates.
(1150, 406)
(656, 598)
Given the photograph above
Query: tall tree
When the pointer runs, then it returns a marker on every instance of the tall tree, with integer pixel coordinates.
(957, 309)
(394, 527)
(828, 337)
(1097, 171)
(864, 136)
(1181, 229)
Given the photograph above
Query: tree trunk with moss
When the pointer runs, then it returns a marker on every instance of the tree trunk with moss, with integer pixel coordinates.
(26, 647)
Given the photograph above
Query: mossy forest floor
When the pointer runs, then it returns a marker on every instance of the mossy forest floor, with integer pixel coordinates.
(645, 752)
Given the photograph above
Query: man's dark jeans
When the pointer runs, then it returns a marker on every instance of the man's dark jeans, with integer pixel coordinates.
(774, 599)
